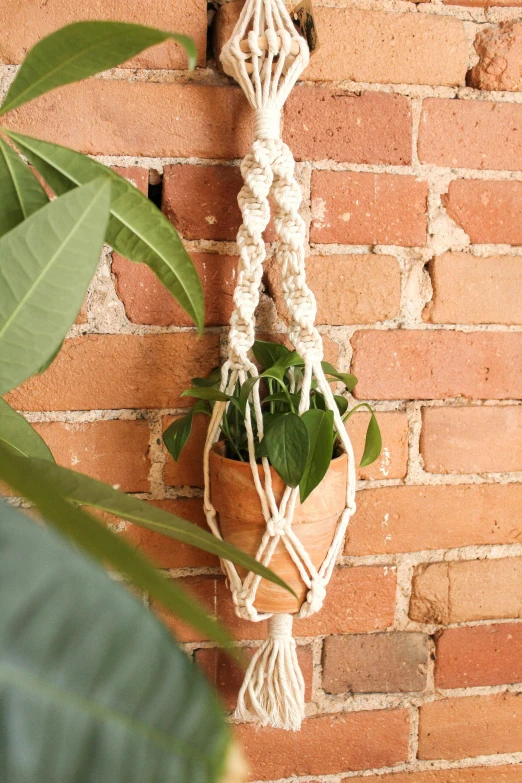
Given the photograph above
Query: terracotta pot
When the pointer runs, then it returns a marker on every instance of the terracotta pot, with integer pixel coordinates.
(241, 521)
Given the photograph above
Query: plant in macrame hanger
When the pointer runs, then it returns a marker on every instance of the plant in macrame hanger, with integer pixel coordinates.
(278, 463)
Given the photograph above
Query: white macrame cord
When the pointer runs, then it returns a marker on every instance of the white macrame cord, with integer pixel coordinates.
(266, 55)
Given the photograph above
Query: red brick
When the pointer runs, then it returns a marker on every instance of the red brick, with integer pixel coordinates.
(327, 744)
(112, 451)
(119, 371)
(487, 210)
(456, 592)
(472, 440)
(25, 25)
(393, 460)
(471, 134)
(375, 663)
(499, 48)
(402, 364)
(227, 676)
(505, 774)
(371, 127)
(374, 46)
(467, 727)
(484, 3)
(188, 470)
(349, 289)
(136, 175)
(410, 519)
(167, 552)
(471, 290)
(359, 208)
(479, 655)
(147, 301)
(140, 118)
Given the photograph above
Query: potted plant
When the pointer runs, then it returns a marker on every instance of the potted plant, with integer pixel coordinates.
(303, 451)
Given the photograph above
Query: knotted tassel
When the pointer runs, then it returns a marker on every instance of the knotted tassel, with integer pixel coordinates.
(273, 689)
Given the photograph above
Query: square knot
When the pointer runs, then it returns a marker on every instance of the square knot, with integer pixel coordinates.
(277, 526)
(316, 595)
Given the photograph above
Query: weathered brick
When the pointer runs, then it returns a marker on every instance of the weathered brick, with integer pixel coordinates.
(227, 676)
(27, 24)
(479, 655)
(499, 48)
(327, 744)
(422, 364)
(147, 301)
(487, 210)
(456, 592)
(496, 774)
(372, 127)
(116, 117)
(119, 371)
(474, 726)
(188, 470)
(360, 208)
(472, 440)
(393, 460)
(349, 289)
(167, 552)
(410, 519)
(484, 3)
(374, 46)
(375, 663)
(471, 134)
(471, 290)
(112, 451)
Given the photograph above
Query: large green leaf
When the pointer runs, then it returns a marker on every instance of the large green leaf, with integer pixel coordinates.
(77, 488)
(268, 353)
(319, 425)
(373, 442)
(287, 447)
(92, 687)
(97, 540)
(350, 381)
(16, 432)
(46, 265)
(20, 192)
(80, 50)
(177, 434)
(137, 229)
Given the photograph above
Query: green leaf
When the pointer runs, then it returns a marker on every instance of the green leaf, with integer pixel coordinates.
(77, 488)
(275, 372)
(319, 425)
(282, 397)
(20, 192)
(137, 229)
(244, 394)
(17, 433)
(211, 394)
(213, 378)
(292, 359)
(373, 443)
(95, 538)
(287, 447)
(341, 402)
(267, 353)
(80, 50)
(177, 434)
(47, 263)
(93, 687)
(350, 381)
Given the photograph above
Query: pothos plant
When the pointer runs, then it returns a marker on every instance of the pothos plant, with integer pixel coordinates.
(299, 447)
(78, 654)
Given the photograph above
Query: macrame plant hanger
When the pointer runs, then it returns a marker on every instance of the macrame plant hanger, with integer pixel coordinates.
(266, 55)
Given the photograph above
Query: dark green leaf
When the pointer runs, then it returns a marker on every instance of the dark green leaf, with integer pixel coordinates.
(47, 264)
(93, 686)
(95, 538)
(177, 434)
(282, 397)
(287, 447)
(20, 192)
(86, 491)
(17, 433)
(267, 354)
(213, 379)
(291, 359)
(276, 373)
(319, 425)
(137, 229)
(350, 381)
(373, 443)
(80, 50)
(211, 394)
(342, 403)
(244, 394)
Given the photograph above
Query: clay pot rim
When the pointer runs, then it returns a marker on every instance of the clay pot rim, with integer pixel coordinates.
(242, 465)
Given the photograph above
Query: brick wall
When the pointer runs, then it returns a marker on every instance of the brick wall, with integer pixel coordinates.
(408, 135)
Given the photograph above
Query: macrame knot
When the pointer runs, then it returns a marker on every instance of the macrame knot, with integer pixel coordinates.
(280, 627)
(277, 526)
(267, 123)
(316, 595)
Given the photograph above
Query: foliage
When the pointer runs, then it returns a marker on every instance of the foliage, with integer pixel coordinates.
(300, 447)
